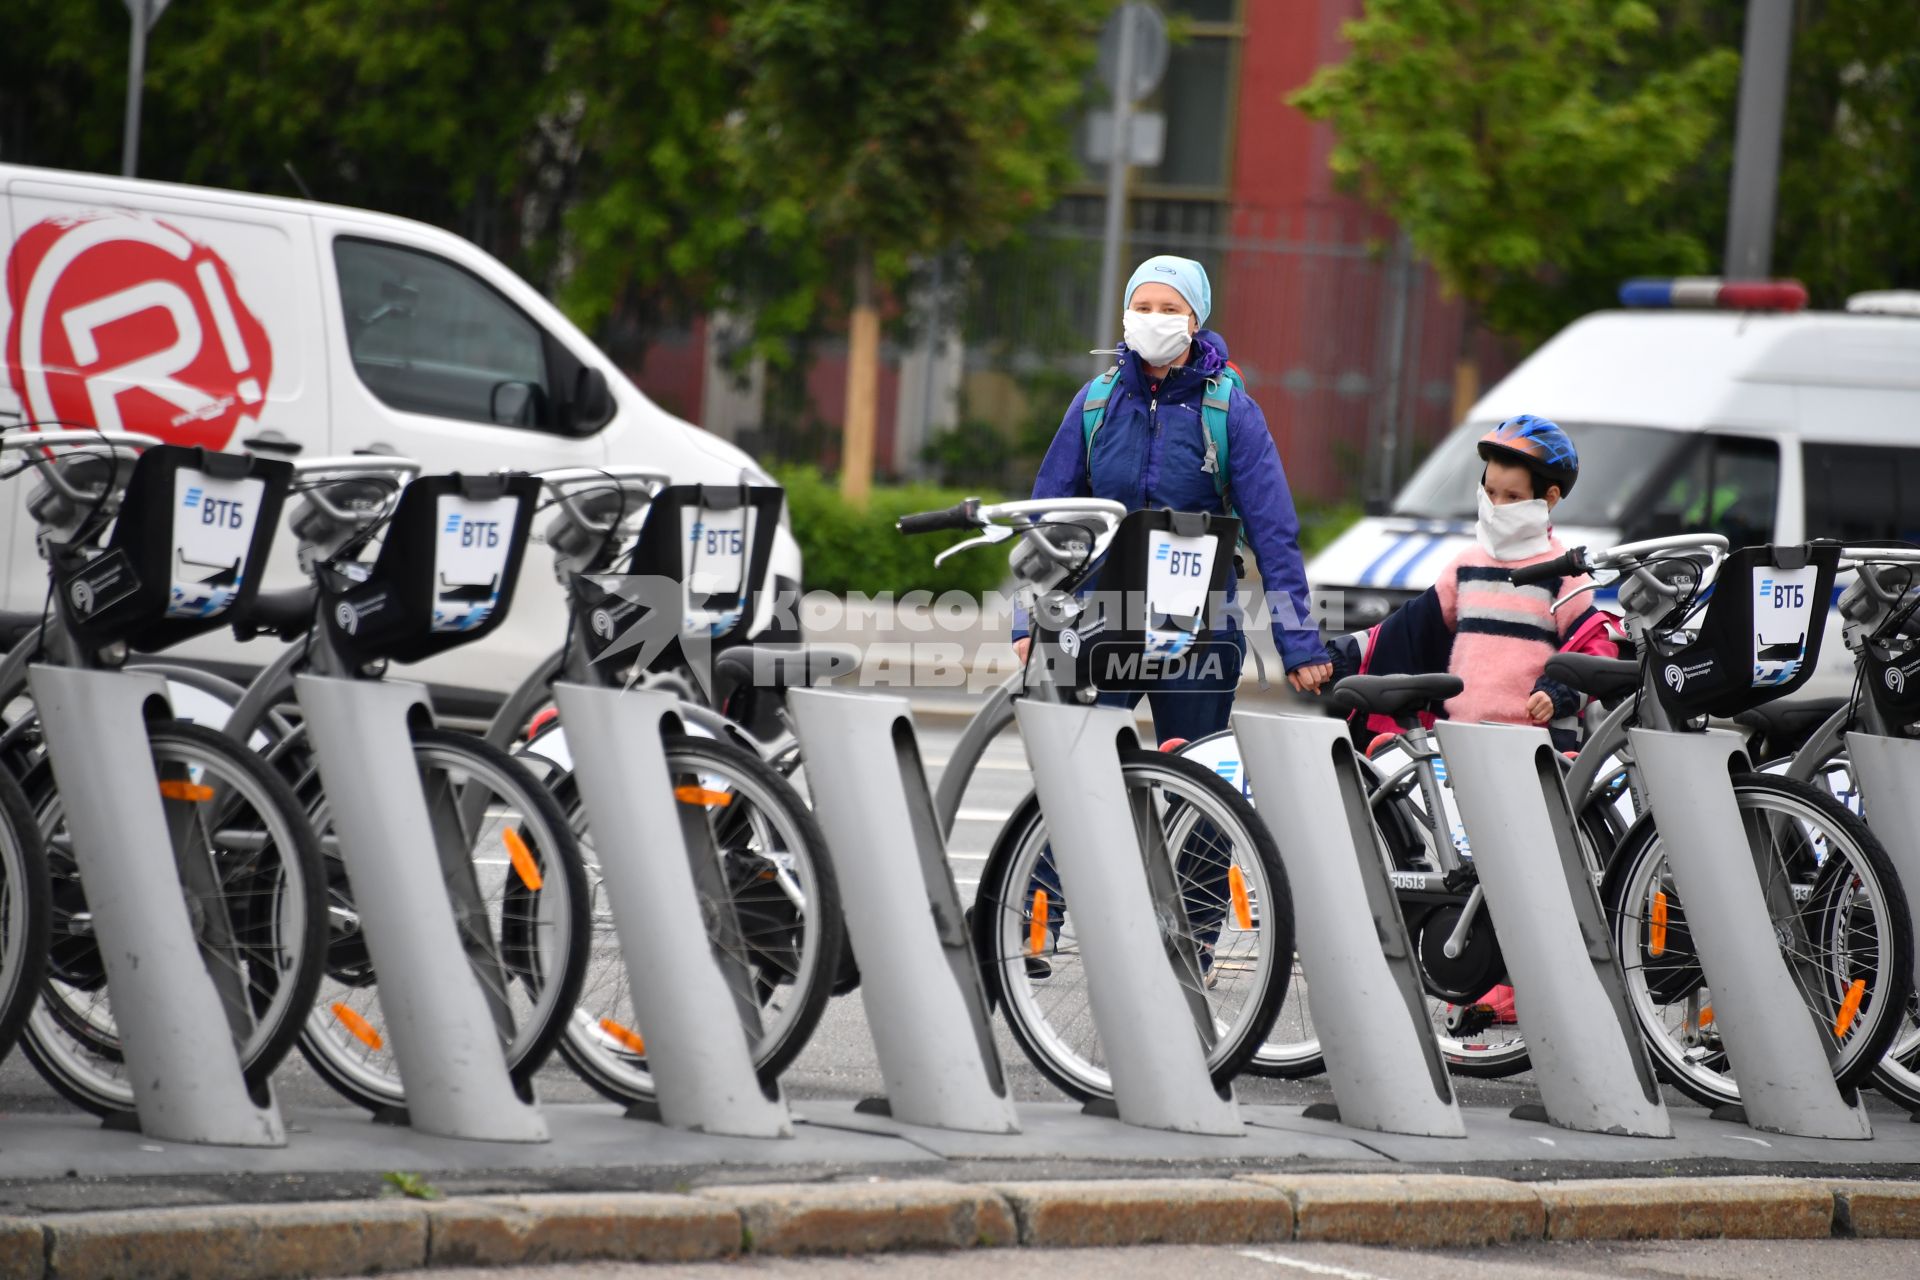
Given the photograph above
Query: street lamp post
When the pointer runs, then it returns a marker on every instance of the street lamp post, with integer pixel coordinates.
(143, 14)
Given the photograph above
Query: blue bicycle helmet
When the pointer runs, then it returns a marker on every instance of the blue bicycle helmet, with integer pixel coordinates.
(1538, 445)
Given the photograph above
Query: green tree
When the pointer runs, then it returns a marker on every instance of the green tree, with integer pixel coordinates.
(1518, 144)
(877, 132)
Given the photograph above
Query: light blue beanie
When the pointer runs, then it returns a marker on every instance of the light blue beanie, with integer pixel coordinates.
(1184, 274)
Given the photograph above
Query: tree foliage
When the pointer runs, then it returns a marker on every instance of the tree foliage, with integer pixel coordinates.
(1521, 144)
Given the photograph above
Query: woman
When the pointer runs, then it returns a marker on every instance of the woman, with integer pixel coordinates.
(1151, 449)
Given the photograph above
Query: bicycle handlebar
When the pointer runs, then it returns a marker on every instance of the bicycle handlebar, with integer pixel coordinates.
(1563, 566)
(15, 440)
(961, 515)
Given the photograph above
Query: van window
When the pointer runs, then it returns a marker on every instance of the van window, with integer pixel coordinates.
(1721, 484)
(1860, 492)
(431, 337)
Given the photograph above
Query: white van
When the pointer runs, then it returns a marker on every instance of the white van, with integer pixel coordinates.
(210, 317)
(1764, 426)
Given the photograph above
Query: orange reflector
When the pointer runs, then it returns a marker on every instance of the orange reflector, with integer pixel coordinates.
(1657, 930)
(1706, 1014)
(523, 863)
(1037, 927)
(1850, 1007)
(702, 795)
(362, 1029)
(630, 1038)
(181, 789)
(1242, 909)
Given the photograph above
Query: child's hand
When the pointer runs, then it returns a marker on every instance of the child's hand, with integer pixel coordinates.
(1540, 707)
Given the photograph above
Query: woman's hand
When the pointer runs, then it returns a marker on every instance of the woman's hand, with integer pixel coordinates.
(1540, 707)
(1308, 679)
(1021, 646)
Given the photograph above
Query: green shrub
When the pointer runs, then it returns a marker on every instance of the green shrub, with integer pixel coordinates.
(846, 549)
(1321, 523)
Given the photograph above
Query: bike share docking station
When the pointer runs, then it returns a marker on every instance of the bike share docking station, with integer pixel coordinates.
(1364, 987)
(1593, 1069)
(681, 938)
(444, 575)
(148, 589)
(1764, 619)
(932, 1030)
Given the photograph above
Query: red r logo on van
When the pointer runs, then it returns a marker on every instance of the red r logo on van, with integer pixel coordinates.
(122, 322)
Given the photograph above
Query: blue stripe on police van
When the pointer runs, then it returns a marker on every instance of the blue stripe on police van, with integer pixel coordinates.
(1366, 574)
(1401, 574)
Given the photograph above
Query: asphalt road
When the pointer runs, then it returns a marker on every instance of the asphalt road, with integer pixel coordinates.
(1699, 1260)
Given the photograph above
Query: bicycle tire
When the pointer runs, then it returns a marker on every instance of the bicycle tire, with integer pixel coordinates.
(26, 909)
(1655, 988)
(617, 1071)
(554, 849)
(302, 862)
(1007, 904)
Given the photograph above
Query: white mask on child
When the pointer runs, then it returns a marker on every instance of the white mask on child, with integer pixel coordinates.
(1514, 530)
(1156, 338)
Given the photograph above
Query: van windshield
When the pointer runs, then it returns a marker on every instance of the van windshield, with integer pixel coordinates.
(1618, 466)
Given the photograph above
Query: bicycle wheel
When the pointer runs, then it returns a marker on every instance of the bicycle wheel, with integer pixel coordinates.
(519, 895)
(26, 905)
(251, 870)
(1836, 906)
(1231, 931)
(779, 892)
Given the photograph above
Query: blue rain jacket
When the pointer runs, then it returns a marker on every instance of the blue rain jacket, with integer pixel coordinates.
(1148, 453)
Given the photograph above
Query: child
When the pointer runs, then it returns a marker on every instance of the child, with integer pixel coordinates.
(1474, 622)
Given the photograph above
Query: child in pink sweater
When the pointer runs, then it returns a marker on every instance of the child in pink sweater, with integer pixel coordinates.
(1475, 623)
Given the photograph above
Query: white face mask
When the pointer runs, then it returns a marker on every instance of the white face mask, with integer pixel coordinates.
(1156, 338)
(1515, 530)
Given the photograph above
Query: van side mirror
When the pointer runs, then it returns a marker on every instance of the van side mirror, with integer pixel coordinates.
(591, 403)
(515, 404)
(1376, 506)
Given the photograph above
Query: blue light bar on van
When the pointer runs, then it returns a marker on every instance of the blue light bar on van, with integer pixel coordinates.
(1714, 294)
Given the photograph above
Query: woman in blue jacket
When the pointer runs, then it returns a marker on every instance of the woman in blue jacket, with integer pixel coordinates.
(1151, 450)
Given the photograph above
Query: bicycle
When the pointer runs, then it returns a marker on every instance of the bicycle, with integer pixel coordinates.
(772, 905)
(511, 864)
(249, 862)
(1835, 902)
(1226, 914)
(1877, 612)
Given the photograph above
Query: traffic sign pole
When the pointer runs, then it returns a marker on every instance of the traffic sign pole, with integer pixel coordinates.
(1116, 184)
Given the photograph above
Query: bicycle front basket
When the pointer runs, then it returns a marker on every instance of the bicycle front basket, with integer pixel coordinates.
(1152, 608)
(1760, 637)
(185, 553)
(445, 573)
(707, 547)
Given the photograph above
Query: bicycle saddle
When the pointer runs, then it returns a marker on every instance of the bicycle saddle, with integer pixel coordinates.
(1400, 697)
(286, 613)
(1784, 727)
(1602, 678)
(780, 666)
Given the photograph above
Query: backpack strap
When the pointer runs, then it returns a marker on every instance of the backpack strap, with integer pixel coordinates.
(1213, 418)
(1093, 411)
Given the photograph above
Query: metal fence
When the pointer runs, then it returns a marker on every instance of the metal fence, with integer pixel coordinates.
(1347, 346)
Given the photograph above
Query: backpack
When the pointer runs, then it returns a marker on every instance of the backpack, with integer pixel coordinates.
(1213, 417)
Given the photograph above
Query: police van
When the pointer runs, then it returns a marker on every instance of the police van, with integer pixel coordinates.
(214, 318)
(1700, 405)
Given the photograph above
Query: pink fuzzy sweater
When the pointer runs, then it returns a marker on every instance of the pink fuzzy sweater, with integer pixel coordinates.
(1503, 634)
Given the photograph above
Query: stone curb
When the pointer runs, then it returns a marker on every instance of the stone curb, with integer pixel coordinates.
(868, 1217)
(1122, 1211)
(355, 1238)
(1688, 1209)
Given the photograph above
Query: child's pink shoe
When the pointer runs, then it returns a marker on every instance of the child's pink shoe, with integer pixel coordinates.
(1500, 1000)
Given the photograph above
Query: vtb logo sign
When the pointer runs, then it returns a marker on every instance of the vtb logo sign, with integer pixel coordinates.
(122, 322)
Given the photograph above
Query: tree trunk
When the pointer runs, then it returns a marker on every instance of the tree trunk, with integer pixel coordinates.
(863, 386)
(1466, 369)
